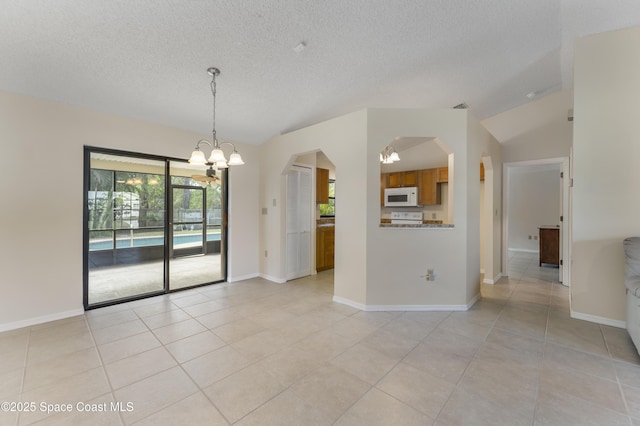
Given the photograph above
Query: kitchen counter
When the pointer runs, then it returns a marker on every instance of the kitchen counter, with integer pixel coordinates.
(423, 225)
(426, 223)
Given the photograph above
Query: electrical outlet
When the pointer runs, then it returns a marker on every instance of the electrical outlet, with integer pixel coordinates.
(433, 215)
(529, 236)
(266, 253)
(264, 210)
(430, 275)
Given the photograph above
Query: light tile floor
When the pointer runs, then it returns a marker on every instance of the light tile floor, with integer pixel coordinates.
(259, 353)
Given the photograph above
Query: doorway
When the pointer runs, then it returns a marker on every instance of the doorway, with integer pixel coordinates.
(520, 237)
(298, 221)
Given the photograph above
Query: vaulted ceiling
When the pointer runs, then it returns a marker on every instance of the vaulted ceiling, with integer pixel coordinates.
(147, 59)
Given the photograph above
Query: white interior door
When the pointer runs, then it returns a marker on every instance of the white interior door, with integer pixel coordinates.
(298, 222)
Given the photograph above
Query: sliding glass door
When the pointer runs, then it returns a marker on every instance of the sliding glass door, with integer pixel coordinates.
(126, 227)
(149, 226)
(196, 228)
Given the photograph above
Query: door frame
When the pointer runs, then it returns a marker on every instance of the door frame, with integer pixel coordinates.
(87, 151)
(564, 163)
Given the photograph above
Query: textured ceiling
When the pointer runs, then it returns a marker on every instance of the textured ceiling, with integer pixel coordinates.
(148, 59)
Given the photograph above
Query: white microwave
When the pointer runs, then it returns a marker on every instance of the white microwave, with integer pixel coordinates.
(401, 197)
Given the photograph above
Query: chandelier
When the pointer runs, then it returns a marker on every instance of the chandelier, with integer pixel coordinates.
(389, 155)
(217, 158)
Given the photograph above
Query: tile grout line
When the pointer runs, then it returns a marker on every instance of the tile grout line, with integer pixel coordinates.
(620, 388)
(104, 369)
(464, 372)
(544, 353)
(24, 374)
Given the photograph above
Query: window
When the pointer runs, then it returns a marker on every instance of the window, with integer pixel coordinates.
(329, 210)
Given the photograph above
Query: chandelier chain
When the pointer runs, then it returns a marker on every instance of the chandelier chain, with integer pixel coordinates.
(213, 92)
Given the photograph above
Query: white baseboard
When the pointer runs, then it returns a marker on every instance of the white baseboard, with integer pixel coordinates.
(272, 279)
(599, 320)
(473, 301)
(349, 302)
(382, 308)
(40, 320)
(242, 277)
(524, 250)
(494, 280)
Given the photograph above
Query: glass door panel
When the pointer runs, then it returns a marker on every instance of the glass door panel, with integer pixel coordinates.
(188, 221)
(196, 257)
(126, 227)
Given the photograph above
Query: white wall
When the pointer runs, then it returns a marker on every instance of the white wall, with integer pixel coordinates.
(454, 254)
(364, 250)
(536, 130)
(41, 219)
(343, 141)
(416, 154)
(483, 147)
(397, 259)
(534, 201)
(323, 162)
(606, 173)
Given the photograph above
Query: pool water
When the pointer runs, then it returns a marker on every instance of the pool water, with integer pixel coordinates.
(150, 241)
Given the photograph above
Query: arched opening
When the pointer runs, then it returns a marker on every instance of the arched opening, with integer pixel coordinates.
(310, 211)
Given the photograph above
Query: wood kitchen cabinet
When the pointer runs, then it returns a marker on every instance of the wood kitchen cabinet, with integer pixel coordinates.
(322, 186)
(383, 184)
(402, 179)
(428, 192)
(550, 245)
(325, 247)
(443, 174)
(481, 171)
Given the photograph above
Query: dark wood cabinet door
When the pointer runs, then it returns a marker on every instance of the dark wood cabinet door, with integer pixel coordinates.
(550, 246)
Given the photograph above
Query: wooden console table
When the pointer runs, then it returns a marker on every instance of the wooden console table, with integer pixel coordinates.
(550, 245)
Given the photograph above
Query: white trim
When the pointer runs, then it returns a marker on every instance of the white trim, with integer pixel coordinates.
(599, 320)
(381, 308)
(564, 163)
(494, 280)
(375, 308)
(40, 320)
(523, 250)
(348, 302)
(473, 301)
(273, 279)
(242, 277)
